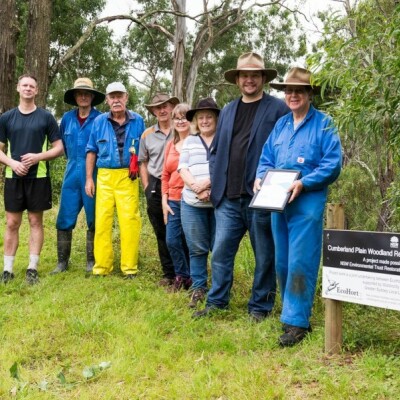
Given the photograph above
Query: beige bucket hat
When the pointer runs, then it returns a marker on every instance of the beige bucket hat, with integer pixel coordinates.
(250, 62)
(83, 84)
(296, 77)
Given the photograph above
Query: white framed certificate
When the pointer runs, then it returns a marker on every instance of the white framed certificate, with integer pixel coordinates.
(274, 194)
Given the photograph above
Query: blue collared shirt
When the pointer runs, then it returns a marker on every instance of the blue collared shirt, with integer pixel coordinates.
(313, 148)
(103, 141)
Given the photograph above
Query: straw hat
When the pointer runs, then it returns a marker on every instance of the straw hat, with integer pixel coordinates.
(296, 77)
(161, 98)
(83, 84)
(250, 62)
(204, 104)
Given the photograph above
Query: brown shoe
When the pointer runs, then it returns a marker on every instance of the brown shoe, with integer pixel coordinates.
(293, 335)
(178, 284)
(166, 282)
(198, 296)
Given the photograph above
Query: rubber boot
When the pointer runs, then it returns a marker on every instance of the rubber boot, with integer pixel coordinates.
(63, 250)
(89, 251)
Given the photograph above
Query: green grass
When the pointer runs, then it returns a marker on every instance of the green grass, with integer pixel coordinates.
(60, 333)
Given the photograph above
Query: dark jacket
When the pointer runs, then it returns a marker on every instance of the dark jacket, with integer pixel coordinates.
(268, 112)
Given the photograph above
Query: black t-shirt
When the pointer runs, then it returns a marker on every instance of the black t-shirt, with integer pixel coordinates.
(244, 119)
(28, 133)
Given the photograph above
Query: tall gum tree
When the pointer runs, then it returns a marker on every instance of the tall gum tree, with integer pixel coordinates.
(38, 45)
(166, 35)
(8, 53)
(211, 24)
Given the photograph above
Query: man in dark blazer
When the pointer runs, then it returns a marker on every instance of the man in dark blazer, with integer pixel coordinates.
(243, 127)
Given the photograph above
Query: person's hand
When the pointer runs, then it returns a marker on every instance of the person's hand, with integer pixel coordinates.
(203, 184)
(196, 187)
(19, 168)
(204, 195)
(166, 210)
(257, 185)
(296, 187)
(90, 187)
(30, 159)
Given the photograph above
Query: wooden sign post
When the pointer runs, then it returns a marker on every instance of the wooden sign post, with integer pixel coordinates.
(333, 308)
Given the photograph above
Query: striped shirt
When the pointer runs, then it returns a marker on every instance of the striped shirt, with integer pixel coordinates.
(195, 156)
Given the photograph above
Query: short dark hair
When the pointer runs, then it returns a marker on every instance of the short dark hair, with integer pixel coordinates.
(27, 76)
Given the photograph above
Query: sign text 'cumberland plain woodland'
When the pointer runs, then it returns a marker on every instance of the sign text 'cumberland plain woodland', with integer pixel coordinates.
(362, 267)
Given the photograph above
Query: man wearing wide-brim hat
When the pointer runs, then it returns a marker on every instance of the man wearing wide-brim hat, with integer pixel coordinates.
(304, 140)
(75, 130)
(151, 158)
(243, 127)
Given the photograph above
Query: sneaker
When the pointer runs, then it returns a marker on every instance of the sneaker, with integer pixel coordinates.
(198, 296)
(7, 276)
(293, 335)
(164, 282)
(32, 276)
(258, 316)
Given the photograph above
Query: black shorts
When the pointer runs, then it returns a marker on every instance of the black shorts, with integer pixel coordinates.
(27, 194)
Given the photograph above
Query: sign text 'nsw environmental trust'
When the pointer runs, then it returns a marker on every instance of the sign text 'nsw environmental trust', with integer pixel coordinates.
(362, 267)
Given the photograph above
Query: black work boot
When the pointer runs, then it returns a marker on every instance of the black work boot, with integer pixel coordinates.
(89, 251)
(63, 250)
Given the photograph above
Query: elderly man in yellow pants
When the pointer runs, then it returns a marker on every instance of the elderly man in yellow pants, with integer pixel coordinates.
(113, 146)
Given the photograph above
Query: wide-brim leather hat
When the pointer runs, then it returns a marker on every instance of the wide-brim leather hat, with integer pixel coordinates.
(83, 84)
(250, 62)
(296, 77)
(161, 98)
(203, 105)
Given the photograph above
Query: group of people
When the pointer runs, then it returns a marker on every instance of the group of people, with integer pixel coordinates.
(199, 168)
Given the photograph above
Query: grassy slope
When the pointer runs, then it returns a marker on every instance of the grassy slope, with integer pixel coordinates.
(156, 351)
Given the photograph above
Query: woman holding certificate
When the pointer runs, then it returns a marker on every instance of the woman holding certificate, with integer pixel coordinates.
(305, 141)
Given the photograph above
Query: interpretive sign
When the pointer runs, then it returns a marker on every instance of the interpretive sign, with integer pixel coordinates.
(362, 267)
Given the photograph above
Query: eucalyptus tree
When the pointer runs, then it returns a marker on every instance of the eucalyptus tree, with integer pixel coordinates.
(183, 52)
(8, 52)
(49, 41)
(358, 64)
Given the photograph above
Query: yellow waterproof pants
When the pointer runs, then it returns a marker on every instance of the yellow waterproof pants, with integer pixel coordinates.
(114, 189)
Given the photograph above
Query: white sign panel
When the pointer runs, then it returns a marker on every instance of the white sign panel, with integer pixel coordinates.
(362, 267)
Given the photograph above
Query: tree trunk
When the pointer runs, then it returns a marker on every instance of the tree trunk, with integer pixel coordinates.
(8, 50)
(179, 54)
(38, 45)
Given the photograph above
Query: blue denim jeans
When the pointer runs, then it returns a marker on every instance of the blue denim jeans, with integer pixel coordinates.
(199, 227)
(233, 219)
(176, 242)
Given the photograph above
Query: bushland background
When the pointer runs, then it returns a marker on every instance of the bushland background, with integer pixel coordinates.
(71, 337)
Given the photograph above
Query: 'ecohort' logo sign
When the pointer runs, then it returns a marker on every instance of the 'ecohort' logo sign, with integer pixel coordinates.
(334, 287)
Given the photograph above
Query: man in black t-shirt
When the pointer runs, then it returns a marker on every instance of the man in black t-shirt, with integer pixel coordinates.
(27, 131)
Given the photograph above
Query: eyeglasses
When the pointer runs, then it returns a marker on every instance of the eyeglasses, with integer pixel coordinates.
(294, 90)
(180, 120)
